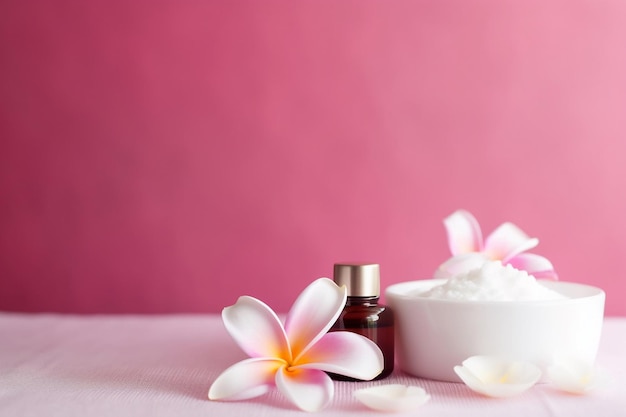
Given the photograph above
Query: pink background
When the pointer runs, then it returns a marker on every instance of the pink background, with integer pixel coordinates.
(170, 156)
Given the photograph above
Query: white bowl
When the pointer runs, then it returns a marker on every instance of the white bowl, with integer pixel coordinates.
(433, 335)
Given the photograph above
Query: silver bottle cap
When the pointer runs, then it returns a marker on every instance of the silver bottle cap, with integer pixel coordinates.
(360, 279)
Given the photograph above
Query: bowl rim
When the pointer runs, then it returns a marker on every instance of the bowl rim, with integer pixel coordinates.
(391, 292)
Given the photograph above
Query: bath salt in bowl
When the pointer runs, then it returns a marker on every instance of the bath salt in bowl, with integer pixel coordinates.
(492, 282)
(439, 324)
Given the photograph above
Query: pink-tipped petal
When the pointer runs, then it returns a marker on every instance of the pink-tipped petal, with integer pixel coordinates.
(507, 241)
(460, 264)
(313, 313)
(535, 265)
(256, 329)
(308, 389)
(246, 379)
(546, 275)
(464, 233)
(345, 353)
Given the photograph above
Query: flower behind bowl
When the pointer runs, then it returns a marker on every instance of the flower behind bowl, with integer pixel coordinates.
(508, 243)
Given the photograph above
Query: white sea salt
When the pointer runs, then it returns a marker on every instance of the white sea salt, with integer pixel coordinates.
(492, 282)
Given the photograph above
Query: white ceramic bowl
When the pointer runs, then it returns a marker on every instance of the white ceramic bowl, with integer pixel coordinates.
(432, 336)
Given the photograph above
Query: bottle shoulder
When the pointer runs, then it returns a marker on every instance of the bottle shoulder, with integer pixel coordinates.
(381, 314)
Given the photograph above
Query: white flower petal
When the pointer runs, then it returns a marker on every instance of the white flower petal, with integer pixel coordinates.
(246, 379)
(345, 353)
(256, 329)
(392, 397)
(313, 313)
(464, 233)
(507, 241)
(576, 377)
(535, 265)
(496, 377)
(460, 264)
(309, 389)
(468, 378)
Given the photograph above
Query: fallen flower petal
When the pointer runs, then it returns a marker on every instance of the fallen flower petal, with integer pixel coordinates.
(576, 377)
(496, 377)
(392, 397)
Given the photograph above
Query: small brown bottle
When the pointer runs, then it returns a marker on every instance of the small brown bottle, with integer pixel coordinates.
(362, 313)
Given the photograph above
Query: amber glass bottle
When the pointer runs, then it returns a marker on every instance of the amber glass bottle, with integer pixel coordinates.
(362, 313)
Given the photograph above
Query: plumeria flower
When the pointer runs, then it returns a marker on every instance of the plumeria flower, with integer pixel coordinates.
(576, 377)
(392, 397)
(508, 244)
(295, 356)
(496, 377)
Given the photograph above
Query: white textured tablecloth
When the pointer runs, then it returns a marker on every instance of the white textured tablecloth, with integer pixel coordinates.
(59, 365)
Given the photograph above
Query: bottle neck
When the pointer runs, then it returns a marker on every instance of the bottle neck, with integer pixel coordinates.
(362, 301)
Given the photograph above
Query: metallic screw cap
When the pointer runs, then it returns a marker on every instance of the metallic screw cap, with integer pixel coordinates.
(360, 279)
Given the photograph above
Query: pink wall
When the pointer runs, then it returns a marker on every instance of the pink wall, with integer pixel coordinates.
(173, 155)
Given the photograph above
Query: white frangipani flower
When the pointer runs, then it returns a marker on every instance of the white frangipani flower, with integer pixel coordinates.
(295, 356)
(508, 244)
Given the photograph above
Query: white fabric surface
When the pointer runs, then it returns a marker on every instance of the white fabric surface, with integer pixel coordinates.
(60, 365)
